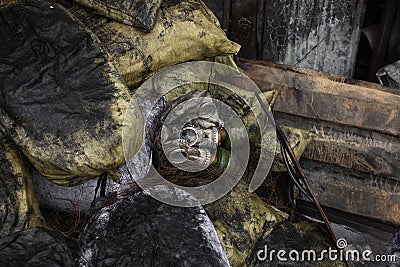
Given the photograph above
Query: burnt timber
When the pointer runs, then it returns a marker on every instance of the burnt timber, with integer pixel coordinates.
(353, 161)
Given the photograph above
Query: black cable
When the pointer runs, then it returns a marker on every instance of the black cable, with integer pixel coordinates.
(294, 178)
(103, 184)
(285, 144)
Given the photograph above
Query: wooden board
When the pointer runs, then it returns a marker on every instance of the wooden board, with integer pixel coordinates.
(355, 192)
(357, 135)
(315, 96)
(349, 147)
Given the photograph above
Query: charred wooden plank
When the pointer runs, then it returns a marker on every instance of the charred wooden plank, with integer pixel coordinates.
(356, 127)
(310, 72)
(362, 194)
(353, 161)
(349, 147)
(316, 97)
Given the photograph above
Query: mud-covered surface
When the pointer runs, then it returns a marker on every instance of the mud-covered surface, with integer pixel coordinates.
(34, 247)
(141, 231)
(62, 101)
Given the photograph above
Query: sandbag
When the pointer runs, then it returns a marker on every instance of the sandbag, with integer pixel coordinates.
(298, 139)
(6, 2)
(35, 247)
(140, 13)
(295, 234)
(62, 101)
(184, 30)
(19, 209)
(141, 231)
(240, 219)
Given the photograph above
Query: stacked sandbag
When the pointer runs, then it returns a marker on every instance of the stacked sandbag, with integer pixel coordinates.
(304, 244)
(35, 247)
(241, 218)
(141, 231)
(19, 209)
(24, 238)
(298, 140)
(63, 102)
(140, 13)
(184, 30)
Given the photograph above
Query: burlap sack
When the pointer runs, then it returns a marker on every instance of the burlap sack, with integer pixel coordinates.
(139, 13)
(184, 30)
(19, 209)
(298, 139)
(63, 102)
(240, 219)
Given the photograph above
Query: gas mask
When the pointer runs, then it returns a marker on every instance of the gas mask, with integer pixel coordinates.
(190, 134)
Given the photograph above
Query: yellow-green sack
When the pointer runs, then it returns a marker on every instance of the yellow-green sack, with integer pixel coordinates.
(183, 31)
(139, 13)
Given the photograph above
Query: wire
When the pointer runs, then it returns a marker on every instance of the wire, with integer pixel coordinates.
(286, 146)
(294, 178)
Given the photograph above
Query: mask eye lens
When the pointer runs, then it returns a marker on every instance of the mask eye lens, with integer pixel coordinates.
(207, 110)
(190, 135)
(178, 156)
